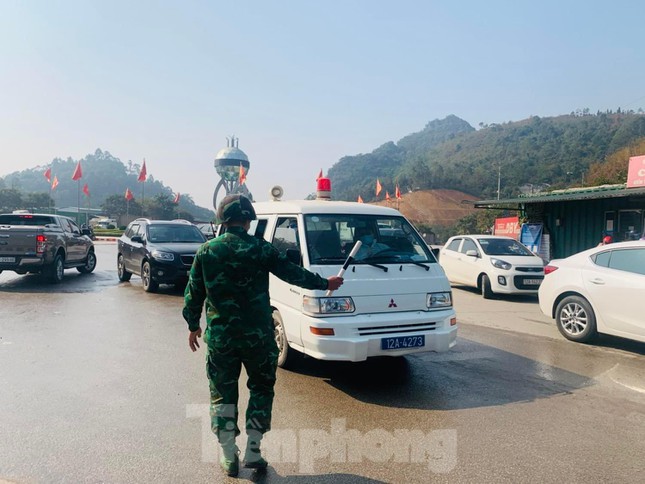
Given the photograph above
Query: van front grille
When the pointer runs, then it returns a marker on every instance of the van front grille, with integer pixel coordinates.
(397, 329)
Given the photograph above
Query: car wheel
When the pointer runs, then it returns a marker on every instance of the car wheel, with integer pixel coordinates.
(124, 275)
(287, 356)
(90, 263)
(149, 285)
(576, 320)
(57, 270)
(487, 292)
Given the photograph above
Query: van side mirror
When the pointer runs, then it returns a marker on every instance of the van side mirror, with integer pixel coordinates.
(472, 253)
(294, 256)
(137, 238)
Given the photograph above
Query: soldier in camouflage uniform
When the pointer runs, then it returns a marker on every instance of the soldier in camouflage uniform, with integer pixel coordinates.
(230, 275)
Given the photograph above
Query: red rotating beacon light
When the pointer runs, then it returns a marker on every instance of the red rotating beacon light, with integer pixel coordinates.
(323, 189)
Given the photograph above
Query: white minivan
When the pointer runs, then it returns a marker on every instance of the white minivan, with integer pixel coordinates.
(395, 300)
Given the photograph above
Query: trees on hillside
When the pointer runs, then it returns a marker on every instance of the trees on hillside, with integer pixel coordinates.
(12, 199)
(614, 169)
(449, 154)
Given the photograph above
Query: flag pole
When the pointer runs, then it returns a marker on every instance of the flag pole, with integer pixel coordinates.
(78, 201)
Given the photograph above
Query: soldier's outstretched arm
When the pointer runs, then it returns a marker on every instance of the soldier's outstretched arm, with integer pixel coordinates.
(292, 273)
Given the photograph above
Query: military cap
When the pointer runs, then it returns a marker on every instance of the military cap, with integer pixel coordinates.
(235, 208)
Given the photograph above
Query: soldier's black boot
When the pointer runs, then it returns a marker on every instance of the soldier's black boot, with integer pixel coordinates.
(252, 457)
(229, 459)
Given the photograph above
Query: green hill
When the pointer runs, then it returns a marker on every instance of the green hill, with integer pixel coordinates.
(451, 154)
(105, 176)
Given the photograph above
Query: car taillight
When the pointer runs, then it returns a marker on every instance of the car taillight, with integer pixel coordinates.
(40, 243)
(550, 269)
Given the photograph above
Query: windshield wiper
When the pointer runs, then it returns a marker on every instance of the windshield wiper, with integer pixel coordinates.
(328, 259)
(420, 264)
(373, 264)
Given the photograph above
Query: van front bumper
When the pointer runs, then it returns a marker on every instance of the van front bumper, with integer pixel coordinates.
(357, 338)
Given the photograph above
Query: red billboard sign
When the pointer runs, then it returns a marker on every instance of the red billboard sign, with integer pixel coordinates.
(509, 226)
(636, 172)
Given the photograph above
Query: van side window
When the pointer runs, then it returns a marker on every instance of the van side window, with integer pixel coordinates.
(286, 234)
(258, 228)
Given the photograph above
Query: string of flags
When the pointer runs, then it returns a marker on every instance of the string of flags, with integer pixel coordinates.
(379, 189)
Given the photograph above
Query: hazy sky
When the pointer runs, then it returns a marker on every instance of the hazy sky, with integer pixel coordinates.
(300, 83)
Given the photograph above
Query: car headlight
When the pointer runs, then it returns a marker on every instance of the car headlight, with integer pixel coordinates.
(327, 305)
(165, 256)
(439, 300)
(501, 264)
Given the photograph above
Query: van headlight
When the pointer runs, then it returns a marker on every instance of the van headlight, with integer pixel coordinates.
(501, 264)
(439, 300)
(327, 305)
(160, 255)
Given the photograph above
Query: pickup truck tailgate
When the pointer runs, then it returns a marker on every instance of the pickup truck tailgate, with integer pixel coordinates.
(18, 241)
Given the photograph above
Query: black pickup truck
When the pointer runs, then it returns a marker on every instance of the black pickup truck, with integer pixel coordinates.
(45, 244)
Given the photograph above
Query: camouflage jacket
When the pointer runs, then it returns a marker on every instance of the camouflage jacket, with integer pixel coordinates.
(231, 275)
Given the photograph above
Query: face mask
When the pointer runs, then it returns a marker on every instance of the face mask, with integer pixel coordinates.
(367, 239)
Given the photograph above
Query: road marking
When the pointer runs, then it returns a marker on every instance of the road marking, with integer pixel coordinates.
(616, 380)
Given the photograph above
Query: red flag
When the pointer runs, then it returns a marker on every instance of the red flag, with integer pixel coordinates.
(55, 183)
(143, 174)
(86, 190)
(48, 175)
(397, 193)
(242, 175)
(320, 175)
(128, 194)
(176, 200)
(360, 200)
(378, 187)
(78, 173)
(387, 196)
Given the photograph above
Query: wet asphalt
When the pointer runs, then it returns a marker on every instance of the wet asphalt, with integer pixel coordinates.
(97, 384)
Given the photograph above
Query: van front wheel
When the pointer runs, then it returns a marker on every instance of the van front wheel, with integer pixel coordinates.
(286, 355)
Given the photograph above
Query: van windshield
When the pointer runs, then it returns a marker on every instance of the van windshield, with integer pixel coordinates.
(331, 237)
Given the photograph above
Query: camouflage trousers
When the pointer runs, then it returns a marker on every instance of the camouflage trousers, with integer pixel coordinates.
(223, 368)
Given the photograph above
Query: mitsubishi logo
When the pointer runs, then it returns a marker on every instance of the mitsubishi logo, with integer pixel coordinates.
(392, 304)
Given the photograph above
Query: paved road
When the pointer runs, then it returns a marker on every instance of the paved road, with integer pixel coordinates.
(98, 385)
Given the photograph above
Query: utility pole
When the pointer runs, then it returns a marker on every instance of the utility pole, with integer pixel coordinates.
(499, 178)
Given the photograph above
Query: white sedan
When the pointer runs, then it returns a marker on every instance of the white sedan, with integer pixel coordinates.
(596, 291)
(495, 264)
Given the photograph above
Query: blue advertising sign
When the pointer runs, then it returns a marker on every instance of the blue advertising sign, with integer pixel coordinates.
(531, 236)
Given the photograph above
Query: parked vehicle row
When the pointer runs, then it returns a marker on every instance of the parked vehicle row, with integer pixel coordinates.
(595, 291)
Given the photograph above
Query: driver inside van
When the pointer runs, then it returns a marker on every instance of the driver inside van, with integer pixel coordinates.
(370, 246)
